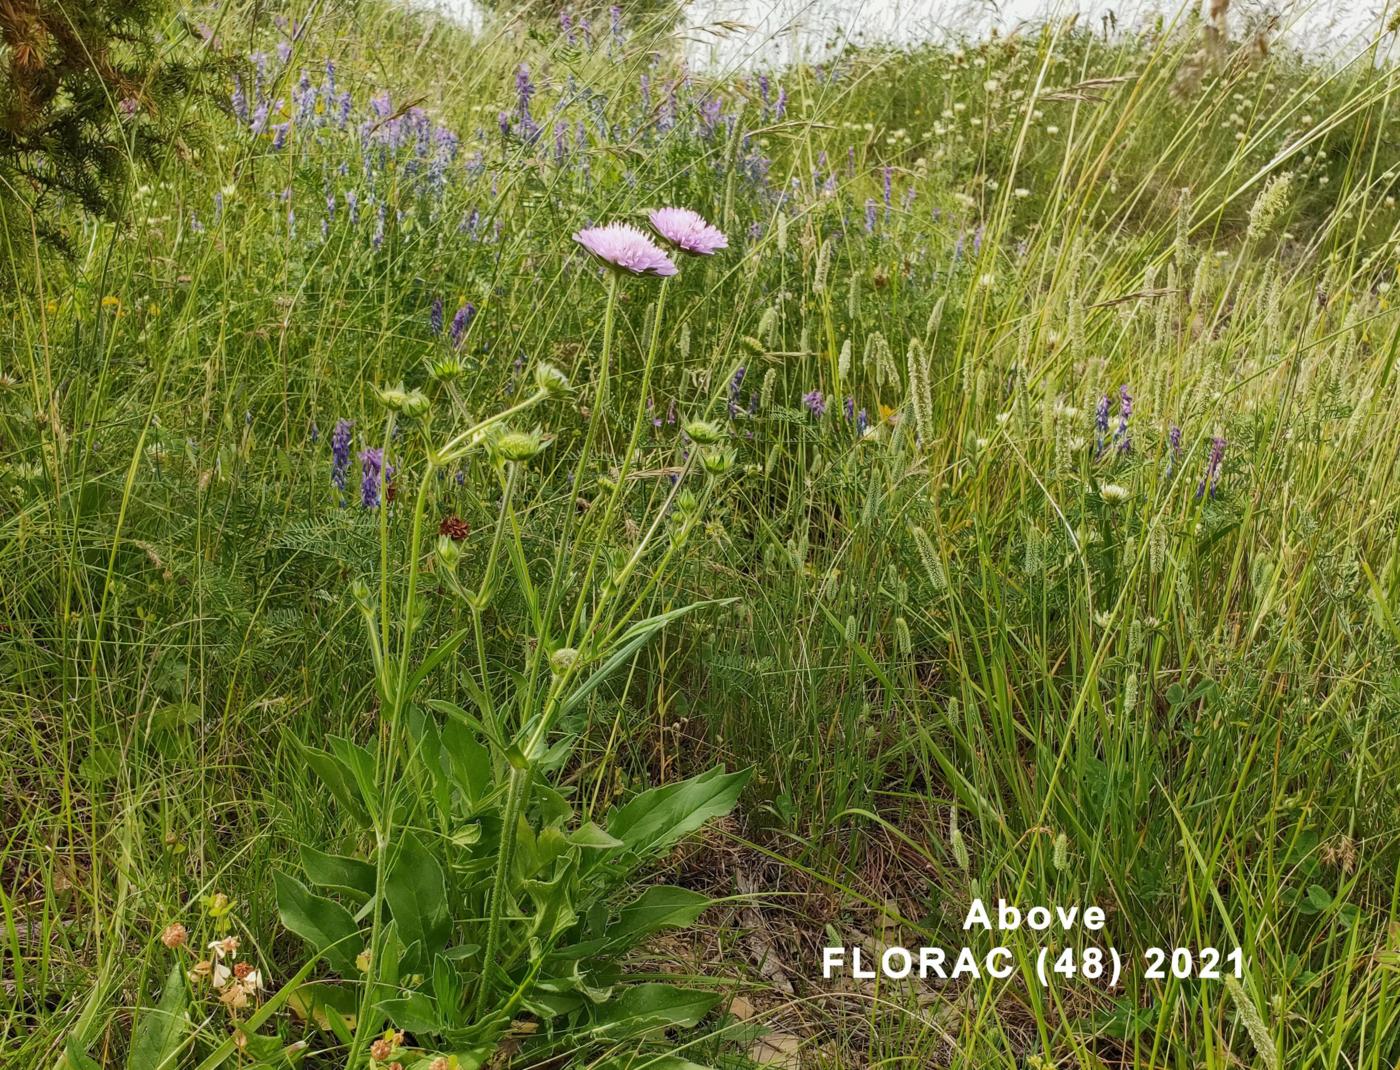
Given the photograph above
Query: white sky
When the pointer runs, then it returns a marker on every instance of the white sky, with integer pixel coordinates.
(781, 30)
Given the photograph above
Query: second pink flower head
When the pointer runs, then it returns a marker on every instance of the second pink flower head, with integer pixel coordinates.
(687, 231)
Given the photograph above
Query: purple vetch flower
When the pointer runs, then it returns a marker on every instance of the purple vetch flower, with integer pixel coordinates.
(1100, 424)
(340, 453)
(1125, 442)
(687, 231)
(1212, 476)
(711, 112)
(372, 473)
(815, 402)
(1174, 440)
(849, 407)
(461, 320)
(888, 176)
(435, 316)
(862, 422)
(734, 384)
(239, 100)
(623, 247)
(524, 90)
(870, 215)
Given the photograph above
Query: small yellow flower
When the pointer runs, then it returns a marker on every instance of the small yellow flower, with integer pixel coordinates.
(113, 302)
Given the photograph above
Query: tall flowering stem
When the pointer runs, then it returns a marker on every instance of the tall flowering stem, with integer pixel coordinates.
(518, 789)
(394, 676)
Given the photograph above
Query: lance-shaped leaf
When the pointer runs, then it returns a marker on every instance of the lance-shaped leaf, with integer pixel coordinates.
(416, 892)
(658, 818)
(323, 923)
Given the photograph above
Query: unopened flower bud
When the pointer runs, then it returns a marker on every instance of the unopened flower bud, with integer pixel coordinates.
(550, 380)
(449, 554)
(517, 446)
(703, 433)
(717, 462)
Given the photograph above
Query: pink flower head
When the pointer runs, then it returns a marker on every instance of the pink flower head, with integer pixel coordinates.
(622, 246)
(688, 231)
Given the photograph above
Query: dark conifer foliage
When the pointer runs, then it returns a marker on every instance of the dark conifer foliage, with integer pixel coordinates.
(87, 91)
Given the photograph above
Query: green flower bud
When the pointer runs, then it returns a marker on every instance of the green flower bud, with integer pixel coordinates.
(717, 462)
(562, 660)
(408, 402)
(517, 446)
(359, 591)
(449, 553)
(447, 369)
(550, 380)
(703, 432)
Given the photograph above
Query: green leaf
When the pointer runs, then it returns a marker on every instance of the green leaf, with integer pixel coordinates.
(76, 1058)
(435, 658)
(416, 892)
(360, 765)
(414, 1013)
(427, 742)
(553, 900)
(1319, 898)
(658, 818)
(648, 1061)
(338, 781)
(101, 764)
(593, 835)
(323, 923)
(628, 643)
(659, 907)
(646, 1008)
(468, 760)
(331, 1008)
(160, 1031)
(351, 875)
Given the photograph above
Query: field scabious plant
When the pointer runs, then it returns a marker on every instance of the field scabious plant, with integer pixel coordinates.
(485, 900)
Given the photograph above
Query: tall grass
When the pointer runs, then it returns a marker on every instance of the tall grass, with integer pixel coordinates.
(980, 642)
